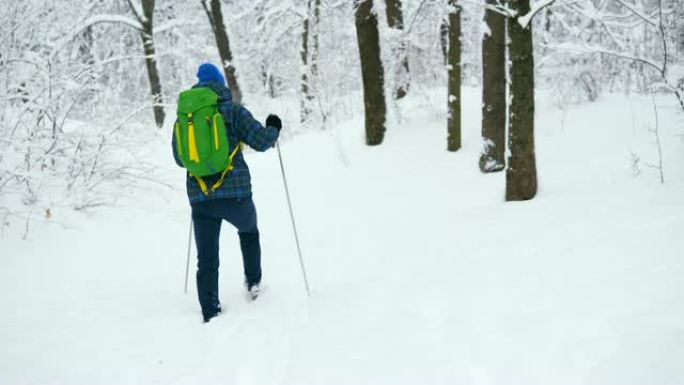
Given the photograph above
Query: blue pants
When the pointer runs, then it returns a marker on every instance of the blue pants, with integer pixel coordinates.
(207, 217)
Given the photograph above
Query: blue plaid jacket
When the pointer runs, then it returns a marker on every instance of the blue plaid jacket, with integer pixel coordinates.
(240, 127)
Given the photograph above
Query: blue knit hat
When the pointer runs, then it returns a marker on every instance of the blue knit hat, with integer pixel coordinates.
(209, 72)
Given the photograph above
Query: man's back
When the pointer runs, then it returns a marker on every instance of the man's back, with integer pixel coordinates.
(241, 127)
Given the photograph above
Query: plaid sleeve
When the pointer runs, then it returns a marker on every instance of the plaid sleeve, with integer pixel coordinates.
(253, 133)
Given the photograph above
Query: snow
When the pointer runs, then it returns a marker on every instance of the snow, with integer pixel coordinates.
(675, 74)
(420, 272)
(486, 31)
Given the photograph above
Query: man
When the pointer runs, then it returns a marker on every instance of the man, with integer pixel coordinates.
(232, 200)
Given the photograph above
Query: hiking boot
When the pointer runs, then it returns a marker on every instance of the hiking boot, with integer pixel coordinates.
(253, 290)
(209, 316)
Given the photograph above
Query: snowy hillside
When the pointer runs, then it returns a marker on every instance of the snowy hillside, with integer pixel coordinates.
(420, 272)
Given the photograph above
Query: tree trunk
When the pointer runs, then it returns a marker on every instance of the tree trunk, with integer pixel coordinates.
(147, 35)
(395, 20)
(305, 110)
(493, 92)
(521, 174)
(372, 71)
(314, 35)
(215, 16)
(309, 58)
(454, 74)
(85, 49)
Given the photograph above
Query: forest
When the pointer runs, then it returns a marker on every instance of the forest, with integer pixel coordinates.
(69, 67)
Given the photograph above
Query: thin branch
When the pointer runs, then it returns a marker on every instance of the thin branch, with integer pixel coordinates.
(657, 137)
(136, 13)
(415, 16)
(637, 12)
(209, 14)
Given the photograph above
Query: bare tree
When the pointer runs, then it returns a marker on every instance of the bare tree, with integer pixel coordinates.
(454, 70)
(521, 174)
(309, 57)
(146, 20)
(493, 91)
(371, 71)
(215, 16)
(395, 19)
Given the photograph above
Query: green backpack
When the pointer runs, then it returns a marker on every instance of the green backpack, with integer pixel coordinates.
(201, 140)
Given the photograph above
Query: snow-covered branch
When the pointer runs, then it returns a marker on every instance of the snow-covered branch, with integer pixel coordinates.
(176, 23)
(113, 19)
(91, 21)
(589, 49)
(499, 7)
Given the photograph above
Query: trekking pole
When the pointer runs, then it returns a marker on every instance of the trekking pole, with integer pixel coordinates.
(294, 226)
(187, 264)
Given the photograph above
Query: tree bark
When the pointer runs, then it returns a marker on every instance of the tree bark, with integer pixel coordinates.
(372, 71)
(494, 85)
(521, 174)
(147, 36)
(215, 16)
(305, 109)
(454, 75)
(395, 20)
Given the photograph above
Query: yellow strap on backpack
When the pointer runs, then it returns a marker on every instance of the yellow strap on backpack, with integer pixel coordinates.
(200, 181)
(215, 186)
(192, 144)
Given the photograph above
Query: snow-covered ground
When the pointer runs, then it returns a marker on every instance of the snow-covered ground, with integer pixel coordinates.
(420, 272)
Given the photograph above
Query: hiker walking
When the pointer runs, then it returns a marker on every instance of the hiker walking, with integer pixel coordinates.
(207, 140)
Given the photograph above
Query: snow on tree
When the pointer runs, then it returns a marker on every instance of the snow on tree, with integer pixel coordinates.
(493, 91)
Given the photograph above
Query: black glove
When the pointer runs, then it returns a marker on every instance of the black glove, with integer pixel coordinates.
(274, 121)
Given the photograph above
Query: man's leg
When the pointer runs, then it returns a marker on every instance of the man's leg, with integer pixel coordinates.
(242, 215)
(207, 230)
(251, 256)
